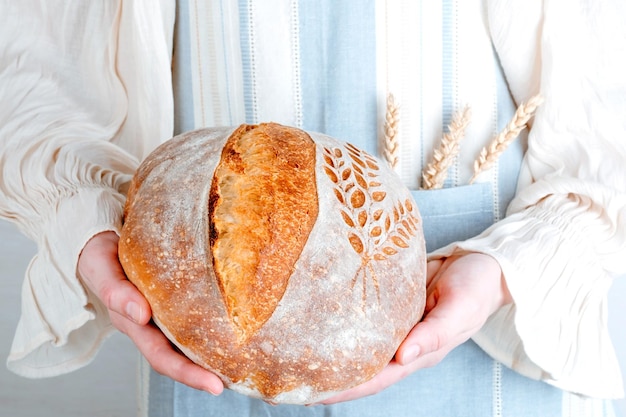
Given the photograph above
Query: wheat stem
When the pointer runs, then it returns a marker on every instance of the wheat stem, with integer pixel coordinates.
(390, 144)
(435, 173)
(490, 154)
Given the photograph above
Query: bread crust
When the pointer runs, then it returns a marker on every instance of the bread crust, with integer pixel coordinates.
(262, 207)
(351, 266)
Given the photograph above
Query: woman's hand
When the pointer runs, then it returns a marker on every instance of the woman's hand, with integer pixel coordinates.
(462, 292)
(130, 313)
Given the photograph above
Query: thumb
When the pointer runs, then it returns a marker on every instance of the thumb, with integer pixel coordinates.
(100, 270)
(442, 329)
(429, 335)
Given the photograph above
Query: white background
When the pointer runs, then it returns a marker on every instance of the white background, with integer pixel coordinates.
(107, 387)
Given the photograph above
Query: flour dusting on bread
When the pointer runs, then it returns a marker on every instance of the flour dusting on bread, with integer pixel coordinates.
(289, 263)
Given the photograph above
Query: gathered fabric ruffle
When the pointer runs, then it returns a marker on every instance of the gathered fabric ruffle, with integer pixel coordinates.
(558, 261)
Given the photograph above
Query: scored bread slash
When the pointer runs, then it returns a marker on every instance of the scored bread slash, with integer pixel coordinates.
(289, 263)
(262, 206)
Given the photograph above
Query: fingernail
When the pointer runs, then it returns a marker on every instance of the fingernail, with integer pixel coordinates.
(133, 311)
(410, 354)
(214, 390)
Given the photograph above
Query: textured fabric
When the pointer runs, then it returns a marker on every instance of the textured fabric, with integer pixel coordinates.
(86, 91)
(466, 383)
(434, 68)
(69, 94)
(562, 237)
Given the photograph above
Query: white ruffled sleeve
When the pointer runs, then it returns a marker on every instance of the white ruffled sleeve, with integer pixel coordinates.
(71, 136)
(564, 238)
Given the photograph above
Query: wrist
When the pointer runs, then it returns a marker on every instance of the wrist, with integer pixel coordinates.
(506, 297)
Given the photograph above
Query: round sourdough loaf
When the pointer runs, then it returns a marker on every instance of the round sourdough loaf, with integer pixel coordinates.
(289, 263)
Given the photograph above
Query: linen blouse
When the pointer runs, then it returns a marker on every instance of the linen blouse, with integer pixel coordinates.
(86, 92)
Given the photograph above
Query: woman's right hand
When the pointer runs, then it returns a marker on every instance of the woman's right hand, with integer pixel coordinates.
(99, 267)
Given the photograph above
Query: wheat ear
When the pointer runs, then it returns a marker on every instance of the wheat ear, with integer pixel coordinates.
(490, 154)
(390, 144)
(435, 173)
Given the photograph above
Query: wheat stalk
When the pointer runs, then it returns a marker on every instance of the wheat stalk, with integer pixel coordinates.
(435, 173)
(390, 143)
(490, 154)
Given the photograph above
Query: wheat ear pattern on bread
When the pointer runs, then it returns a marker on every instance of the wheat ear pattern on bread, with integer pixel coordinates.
(289, 263)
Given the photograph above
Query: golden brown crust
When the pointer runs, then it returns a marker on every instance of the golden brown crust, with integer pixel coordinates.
(262, 207)
(348, 270)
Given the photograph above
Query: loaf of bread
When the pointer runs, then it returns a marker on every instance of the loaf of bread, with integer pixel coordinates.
(288, 263)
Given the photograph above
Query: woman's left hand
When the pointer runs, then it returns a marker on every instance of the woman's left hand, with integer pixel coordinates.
(462, 292)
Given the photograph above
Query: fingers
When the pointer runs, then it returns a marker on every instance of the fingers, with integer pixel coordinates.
(436, 269)
(130, 313)
(431, 340)
(164, 359)
(121, 297)
(432, 267)
(101, 271)
(434, 352)
(449, 322)
(462, 293)
(391, 374)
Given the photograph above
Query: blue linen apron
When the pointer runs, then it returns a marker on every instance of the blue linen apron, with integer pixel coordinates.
(467, 382)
